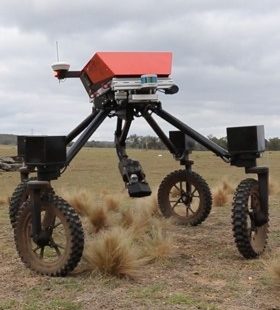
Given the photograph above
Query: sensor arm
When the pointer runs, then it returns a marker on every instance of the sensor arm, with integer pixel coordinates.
(61, 71)
(62, 74)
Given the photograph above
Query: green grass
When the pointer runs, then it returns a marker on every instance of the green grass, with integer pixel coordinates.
(55, 304)
(40, 297)
(8, 304)
(38, 301)
(153, 291)
(183, 299)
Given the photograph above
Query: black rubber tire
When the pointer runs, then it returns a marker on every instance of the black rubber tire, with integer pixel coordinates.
(18, 197)
(55, 258)
(250, 239)
(199, 205)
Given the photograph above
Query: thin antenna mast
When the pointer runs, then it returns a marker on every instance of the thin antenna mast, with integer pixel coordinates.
(57, 54)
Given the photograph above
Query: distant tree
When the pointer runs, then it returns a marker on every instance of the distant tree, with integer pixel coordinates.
(153, 142)
(144, 142)
(199, 147)
(273, 144)
(100, 144)
(220, 141)
(133, 141)
(8, 139)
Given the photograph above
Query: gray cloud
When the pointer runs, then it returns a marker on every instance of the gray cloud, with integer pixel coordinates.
(225, 55)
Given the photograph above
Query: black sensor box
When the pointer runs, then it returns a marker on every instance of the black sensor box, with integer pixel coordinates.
(181, 141)
(42, 150)
(248, 139)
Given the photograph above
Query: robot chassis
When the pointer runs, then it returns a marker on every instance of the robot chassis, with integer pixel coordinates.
(48, 233)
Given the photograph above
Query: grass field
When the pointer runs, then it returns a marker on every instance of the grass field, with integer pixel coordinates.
(207, 271)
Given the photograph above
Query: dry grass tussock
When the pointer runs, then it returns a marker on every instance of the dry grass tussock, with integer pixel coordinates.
(156, 244)
(149, 204)
(81, 200)
(113, 252)
(220, 198)
(223, 194)
(88, 206)
(227, 187)
(98, 218)
(122, 235)
(112, 203)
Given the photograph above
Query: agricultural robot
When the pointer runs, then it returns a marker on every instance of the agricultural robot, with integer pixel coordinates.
(124, 85)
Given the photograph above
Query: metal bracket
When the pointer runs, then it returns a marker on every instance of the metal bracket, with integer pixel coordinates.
(261, 217)
(35, 189)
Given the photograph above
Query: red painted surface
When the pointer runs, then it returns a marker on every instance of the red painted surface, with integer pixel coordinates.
(106, 65)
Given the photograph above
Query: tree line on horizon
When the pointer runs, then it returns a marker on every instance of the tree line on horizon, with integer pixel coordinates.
(149, 142)
(154, 143)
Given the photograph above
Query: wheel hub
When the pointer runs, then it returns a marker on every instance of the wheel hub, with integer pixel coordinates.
(43, 239)
(186, 199)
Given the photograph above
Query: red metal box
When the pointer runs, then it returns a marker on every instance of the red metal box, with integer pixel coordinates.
(106, 65)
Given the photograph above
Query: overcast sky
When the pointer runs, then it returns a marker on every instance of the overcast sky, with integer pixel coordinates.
(226, 60)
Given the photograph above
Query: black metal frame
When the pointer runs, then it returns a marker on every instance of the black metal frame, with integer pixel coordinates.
(131, 169)
(94, 120)
(86, 129)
